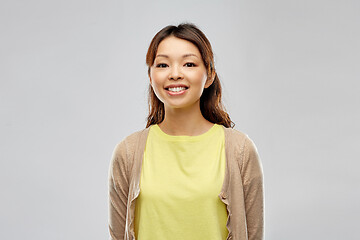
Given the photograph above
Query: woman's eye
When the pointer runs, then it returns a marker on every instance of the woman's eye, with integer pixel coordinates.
(190, 64)
(161, 65)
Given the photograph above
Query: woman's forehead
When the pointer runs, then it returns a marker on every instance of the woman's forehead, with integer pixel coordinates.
(175, 47)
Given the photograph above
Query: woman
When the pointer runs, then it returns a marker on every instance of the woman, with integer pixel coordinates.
(188, 174)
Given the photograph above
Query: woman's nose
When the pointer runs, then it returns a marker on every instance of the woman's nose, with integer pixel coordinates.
(175, 73)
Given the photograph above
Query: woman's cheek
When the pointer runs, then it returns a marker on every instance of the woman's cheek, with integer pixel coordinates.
(159, 76)
(200, 78)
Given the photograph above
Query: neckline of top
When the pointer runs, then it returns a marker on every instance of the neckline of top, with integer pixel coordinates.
(166, 136)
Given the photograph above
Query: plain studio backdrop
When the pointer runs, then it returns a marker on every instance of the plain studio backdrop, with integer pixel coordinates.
(74, 83)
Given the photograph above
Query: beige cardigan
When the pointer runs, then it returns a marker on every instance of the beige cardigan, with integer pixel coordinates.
(242, 190)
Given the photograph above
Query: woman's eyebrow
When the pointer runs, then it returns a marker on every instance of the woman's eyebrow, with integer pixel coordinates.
(184, 56)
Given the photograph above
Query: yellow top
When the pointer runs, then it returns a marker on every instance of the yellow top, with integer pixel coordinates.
(181, 178)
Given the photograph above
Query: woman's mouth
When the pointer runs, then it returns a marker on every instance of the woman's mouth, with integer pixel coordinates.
(174, 91)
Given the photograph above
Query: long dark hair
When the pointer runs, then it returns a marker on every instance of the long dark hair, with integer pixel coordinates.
(210, 101)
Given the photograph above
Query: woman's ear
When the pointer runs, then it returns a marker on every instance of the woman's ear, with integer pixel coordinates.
(210, 80)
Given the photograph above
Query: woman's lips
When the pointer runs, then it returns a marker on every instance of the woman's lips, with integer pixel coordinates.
(173, 93)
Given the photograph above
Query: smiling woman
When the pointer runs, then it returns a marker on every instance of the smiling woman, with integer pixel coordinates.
(196, 51)
(188, 174)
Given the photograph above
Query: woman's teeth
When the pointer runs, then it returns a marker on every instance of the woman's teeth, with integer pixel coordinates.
(177, 89)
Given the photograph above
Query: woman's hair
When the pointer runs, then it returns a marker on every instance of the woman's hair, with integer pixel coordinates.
(210, 101)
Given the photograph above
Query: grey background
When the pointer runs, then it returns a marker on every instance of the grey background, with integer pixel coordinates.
(73, 84)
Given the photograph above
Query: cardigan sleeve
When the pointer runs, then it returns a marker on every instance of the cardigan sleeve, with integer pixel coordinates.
(118, 192)
(252, 175)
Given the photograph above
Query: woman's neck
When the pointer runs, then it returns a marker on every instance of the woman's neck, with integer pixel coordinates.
(184, 121)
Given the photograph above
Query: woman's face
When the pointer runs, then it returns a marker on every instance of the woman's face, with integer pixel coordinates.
(178, 75)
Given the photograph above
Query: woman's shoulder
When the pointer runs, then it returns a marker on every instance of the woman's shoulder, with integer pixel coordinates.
(242, 145)
(125, 150)
(239, 139)
(235, 134)
(135, 136)
(133, 139)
